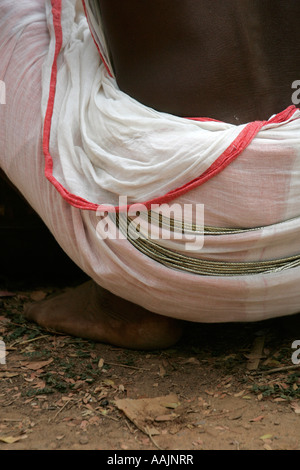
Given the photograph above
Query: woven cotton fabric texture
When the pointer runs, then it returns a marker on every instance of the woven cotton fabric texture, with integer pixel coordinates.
(72, 142)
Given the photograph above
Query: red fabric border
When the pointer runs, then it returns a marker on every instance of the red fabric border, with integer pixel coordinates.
(102, 58)
(228, 156)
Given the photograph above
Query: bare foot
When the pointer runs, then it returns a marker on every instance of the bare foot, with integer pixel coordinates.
(88, 311)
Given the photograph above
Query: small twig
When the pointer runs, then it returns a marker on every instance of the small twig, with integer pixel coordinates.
(24, 325)
(107, 416)
(10, 419)
(256, 353)
(102, 413)
(217, 415)
(146, 431)
(28, 327)
(124, 365)
(67, 402)
(226, 412)
(131, 430)
(277, 369)
(29, 340)
(151, 438)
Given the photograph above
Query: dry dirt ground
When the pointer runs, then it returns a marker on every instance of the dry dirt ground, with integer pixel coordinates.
(229, 386)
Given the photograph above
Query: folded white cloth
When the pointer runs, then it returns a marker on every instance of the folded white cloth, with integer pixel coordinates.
(104, 144)
(71, 140)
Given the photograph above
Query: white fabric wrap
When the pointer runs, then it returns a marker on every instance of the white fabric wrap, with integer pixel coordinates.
(105, 144)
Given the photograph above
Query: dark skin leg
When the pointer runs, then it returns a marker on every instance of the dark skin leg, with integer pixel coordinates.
(232, 60)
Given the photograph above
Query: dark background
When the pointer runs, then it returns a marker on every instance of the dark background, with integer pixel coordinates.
(29, 253)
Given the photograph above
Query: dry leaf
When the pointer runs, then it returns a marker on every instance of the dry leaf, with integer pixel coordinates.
(172, 405)
(5, 293)
(37, 365)
(255, 420)
(266, 436)
(8, 375)
(11, 439)
(100, 363)
(40, 384)
(191, 360)
(142, 410)
(166, 417)
(239, 394)
(38, 295)
(271, 362)
(153, 431)
(296, 407)
(267, 447)
(109, 382)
